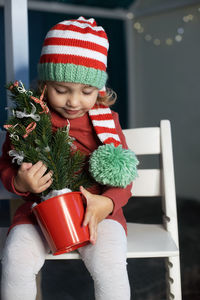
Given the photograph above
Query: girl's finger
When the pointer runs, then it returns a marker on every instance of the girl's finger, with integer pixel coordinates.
(46, 178)
(85, 193)
(45, 186)
(35, 168)
(25, 166)
(41, 171)
(93, 231)
(86, 218)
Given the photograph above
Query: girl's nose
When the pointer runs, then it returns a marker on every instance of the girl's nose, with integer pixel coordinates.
(72, 100)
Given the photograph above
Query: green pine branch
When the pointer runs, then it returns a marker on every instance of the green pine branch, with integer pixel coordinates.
(54, 149)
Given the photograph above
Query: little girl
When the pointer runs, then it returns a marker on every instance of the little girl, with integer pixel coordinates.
(73, 67)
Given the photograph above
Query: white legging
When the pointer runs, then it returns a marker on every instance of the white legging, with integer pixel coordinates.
(25, 251)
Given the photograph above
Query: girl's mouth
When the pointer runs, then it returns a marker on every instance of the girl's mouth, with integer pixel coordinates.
(71, 112)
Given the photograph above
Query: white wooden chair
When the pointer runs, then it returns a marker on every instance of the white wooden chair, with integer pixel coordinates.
(149, 240)
(153, 240)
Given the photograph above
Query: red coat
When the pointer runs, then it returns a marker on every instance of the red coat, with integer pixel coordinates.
(87, 141)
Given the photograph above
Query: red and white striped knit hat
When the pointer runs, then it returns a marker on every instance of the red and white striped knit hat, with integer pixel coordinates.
(76, 51)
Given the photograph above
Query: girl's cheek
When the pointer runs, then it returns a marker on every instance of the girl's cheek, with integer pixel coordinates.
(57, 101)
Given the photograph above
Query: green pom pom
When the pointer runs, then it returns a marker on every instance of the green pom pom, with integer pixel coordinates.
(114, 166)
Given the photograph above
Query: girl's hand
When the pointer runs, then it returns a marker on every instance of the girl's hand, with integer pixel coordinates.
(31, 178)
(98, 208)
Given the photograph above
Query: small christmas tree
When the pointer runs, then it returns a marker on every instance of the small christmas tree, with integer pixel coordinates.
(32, 139)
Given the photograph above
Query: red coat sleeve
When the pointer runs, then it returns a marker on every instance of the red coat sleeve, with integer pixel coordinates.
(8, 170)
(119, 196)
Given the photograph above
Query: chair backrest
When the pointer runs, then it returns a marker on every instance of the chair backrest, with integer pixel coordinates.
(160, 181)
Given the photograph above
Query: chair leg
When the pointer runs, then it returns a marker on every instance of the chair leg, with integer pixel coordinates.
(173, 278)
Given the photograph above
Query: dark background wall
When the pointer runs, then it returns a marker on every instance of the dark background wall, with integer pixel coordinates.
(167, 86)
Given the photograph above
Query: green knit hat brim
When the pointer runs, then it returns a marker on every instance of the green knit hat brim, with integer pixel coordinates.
(72, 73)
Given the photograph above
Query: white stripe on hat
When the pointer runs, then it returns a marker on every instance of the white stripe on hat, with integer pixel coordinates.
(69, 34)
(91, 20)
(78, 51)
(82, 25)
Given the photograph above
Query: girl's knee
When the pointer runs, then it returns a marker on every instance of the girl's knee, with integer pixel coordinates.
(24, 249)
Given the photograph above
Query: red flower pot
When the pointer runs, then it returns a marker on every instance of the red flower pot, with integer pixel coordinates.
(60, 219)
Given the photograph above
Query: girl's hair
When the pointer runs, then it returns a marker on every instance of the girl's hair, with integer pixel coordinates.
(108, 99)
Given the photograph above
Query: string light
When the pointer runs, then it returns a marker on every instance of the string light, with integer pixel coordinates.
(188, 18)
(180, 30)
(169, 41)
(178, 38)
(156, 42)
(148, 37)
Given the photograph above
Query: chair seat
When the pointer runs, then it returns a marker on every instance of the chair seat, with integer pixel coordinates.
(149, 240)
(144, 240)
(70, 255)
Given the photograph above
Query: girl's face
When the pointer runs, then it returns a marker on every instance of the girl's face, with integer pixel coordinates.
(71, 100)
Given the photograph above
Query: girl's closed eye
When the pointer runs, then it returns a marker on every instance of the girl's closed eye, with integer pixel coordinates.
(88, 91)
(58, 91)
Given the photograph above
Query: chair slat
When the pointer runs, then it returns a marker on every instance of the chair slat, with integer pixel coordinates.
(70, 255)
(147, 183)
(143, 140)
